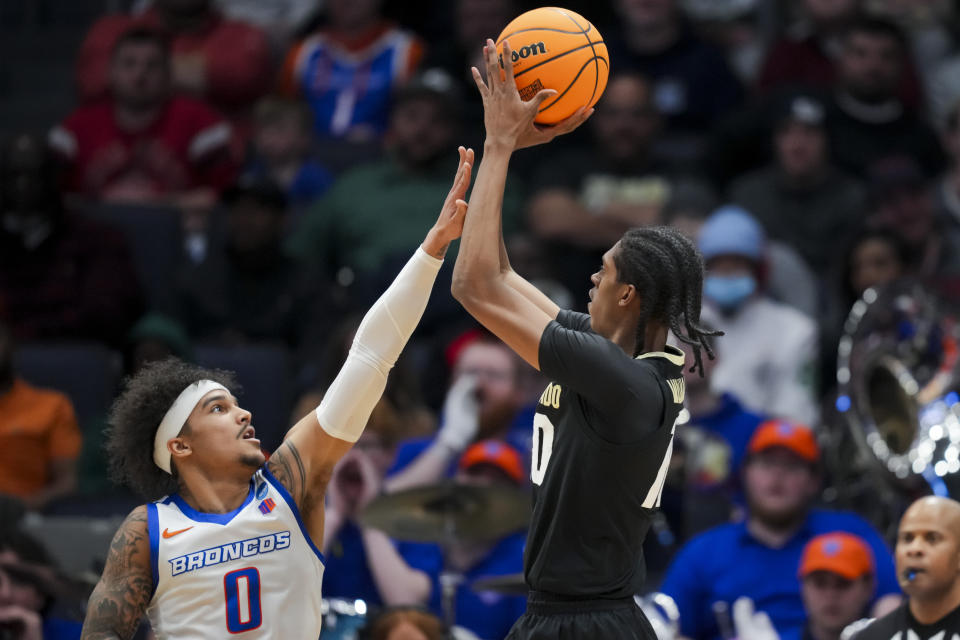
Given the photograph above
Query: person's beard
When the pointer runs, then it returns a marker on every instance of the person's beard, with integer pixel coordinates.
(776, 520)
(496, 417)
(253, 460)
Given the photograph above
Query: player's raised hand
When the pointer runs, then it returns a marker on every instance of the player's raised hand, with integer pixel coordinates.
(508, 118)
(453, 213)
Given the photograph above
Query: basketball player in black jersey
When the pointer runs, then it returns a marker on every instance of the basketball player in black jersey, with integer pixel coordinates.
(603, 430)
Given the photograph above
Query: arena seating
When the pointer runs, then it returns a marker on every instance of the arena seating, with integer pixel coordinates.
(88, 372)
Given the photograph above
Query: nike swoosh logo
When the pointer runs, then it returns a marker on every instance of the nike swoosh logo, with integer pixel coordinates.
(169, 534)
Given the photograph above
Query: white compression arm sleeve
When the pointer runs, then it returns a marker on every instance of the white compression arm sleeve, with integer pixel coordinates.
(383, 333)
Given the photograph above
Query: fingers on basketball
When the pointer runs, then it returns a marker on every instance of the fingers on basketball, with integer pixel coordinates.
(507, 66)
(542, 96)
(494, 76)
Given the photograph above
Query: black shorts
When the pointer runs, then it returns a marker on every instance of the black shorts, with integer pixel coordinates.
(553, 618)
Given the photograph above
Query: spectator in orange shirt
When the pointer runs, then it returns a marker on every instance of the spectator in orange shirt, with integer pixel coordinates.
(39, 437)
(222, 61)
(143, 144)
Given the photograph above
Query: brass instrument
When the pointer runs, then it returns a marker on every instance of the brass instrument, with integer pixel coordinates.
(897, 375)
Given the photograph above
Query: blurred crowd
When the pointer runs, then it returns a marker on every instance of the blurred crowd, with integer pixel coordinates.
(237, 181)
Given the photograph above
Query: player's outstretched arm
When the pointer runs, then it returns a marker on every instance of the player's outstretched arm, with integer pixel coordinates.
(305, 461)
(120, 598)
(498, 298)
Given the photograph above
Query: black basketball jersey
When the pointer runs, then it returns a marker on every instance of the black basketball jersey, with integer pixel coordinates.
(900, 624)
(602, 439)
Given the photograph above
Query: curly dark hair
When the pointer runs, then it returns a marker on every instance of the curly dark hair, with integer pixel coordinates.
(667, 271)
(135, 416)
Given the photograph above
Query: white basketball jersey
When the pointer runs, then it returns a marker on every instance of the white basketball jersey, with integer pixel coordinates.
(253, 572)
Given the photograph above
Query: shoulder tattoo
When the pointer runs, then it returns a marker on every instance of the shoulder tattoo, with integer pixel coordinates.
(120, 598)
(287, 466)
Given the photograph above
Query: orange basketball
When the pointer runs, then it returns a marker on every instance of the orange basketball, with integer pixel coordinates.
(557, 49)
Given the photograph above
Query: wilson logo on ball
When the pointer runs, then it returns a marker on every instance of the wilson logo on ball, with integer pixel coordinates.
(525, 52)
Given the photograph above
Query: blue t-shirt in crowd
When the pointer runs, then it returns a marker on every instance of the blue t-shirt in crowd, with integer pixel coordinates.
(346, 573)
(519, 436)
(487, 614)
(725, 563)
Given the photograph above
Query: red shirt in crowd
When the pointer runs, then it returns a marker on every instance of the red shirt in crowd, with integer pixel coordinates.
(227, 63)
(186, 147)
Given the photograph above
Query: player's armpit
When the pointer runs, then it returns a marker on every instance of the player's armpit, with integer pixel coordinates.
(120, 598)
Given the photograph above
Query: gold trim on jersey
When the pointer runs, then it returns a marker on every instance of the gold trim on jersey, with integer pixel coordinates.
(672, 354)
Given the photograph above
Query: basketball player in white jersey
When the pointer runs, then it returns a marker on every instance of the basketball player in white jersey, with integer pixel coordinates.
(233, 548)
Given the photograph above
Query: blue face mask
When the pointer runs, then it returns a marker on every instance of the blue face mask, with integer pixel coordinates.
(729, 292)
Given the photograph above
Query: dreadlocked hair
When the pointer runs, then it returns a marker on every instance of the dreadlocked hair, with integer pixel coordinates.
(135, 416)
(667, 271)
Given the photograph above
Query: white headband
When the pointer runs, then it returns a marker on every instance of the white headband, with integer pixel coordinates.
(176, 417)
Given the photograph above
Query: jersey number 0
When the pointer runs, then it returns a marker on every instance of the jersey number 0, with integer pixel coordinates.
(241, 590)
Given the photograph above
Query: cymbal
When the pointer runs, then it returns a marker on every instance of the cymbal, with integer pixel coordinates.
(509, 585)
(449, 511)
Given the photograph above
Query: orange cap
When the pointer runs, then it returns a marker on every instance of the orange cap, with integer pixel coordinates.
(780, 433)
(496, 453)
(845, 554)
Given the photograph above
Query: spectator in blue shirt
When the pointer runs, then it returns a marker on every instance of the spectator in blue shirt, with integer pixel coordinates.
(485, 401)
(758, 558)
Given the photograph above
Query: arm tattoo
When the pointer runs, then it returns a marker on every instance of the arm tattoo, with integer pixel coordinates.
(287, 466)
(120, 599)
